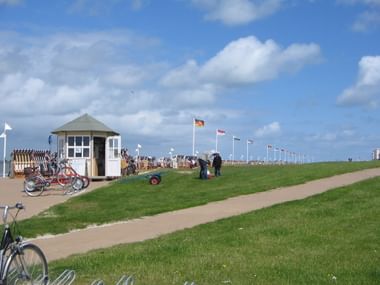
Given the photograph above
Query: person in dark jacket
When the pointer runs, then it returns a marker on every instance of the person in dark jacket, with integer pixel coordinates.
(203, 172)
(217, 164)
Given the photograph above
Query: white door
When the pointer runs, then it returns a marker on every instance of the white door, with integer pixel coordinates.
(113, 160)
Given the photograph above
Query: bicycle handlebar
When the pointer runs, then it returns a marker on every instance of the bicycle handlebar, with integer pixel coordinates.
(6, 208)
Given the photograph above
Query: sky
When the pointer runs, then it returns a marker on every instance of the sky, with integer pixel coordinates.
(301, 75)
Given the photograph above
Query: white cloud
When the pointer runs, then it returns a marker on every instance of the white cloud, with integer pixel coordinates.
(367, 20)
(271, 130)
(237, 12)
(244, 61)
(247, 60)
(366, 91)
(183, 76)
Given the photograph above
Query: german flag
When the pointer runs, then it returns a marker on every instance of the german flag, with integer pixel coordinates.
(199, 123)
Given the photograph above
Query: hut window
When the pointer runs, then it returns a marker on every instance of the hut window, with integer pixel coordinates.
(78, 146)
(113, 149)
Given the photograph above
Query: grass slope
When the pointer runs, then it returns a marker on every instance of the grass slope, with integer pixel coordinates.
(136, 198)
(332, 238)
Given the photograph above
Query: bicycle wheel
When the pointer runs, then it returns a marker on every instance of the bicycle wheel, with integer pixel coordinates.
(26, 265)
(34, 186)
(76, 185)
(86, 181)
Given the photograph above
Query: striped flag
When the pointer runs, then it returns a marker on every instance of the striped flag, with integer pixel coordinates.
(220, 132)
(236, 139)
(199, 123)
(269, 146)
(250, 141)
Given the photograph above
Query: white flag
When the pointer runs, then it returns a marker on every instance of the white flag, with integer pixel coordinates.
(139, 145)
(2, 135)
(7, 127)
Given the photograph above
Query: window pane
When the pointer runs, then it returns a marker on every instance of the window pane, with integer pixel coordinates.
(86, 141)
(111, 143)
(78, 154)
(115, 143)
(86, 152)
(78, 141)
(71, 141)
(71, 152)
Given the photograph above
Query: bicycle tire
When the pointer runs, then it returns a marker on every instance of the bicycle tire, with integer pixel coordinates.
(26, 265)
(34, 186)
(86, 181)
(76, 186)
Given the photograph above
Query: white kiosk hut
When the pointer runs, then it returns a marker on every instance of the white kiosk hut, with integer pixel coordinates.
(92, 148)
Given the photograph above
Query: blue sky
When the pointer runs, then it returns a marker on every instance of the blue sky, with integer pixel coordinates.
(300, 75)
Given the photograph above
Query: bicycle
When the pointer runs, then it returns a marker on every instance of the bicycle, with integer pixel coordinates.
(69, 171)
(20, 262)
(35, 182)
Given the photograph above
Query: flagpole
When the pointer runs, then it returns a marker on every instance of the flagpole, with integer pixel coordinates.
(216, 141)
(5, 151)
(247, 151)
(193, 136)
(267, 154)
(233, 149)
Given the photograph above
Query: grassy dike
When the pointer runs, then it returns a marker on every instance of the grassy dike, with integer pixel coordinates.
(331, 238)
(134, 197)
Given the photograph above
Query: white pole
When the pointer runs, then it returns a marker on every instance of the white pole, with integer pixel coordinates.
(5, 151)
(193, 136)
(247, 151)
(233, 148)
(267, 154)
(216, 141)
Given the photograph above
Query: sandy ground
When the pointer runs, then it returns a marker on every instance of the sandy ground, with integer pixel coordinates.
(61, 246)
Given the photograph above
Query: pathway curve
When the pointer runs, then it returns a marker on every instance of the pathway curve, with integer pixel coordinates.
(81, 241)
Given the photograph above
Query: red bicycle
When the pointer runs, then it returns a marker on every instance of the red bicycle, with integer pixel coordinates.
(68, 171)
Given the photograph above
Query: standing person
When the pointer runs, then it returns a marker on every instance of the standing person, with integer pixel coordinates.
(217, 164)
(203, 164)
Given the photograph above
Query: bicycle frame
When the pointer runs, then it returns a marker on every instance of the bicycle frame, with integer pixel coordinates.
(12, 250)
(7, 240)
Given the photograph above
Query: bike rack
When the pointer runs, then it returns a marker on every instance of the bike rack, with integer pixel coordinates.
(97, 282)
(67, 277)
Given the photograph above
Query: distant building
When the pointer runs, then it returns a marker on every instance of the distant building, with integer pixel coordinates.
(376, 154)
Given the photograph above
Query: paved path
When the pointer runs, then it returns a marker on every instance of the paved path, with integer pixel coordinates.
(64, 245)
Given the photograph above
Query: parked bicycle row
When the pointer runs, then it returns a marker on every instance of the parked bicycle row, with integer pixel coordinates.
(53, 172)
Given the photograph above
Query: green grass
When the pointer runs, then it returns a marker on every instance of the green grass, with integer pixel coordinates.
(332, 238)
(178, 190)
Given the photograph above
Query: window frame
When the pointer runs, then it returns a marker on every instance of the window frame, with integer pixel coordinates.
(78, 146)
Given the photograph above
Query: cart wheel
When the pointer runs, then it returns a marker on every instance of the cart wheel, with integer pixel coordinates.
(154, 180)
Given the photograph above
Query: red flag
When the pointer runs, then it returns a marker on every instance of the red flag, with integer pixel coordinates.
(220, 132)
